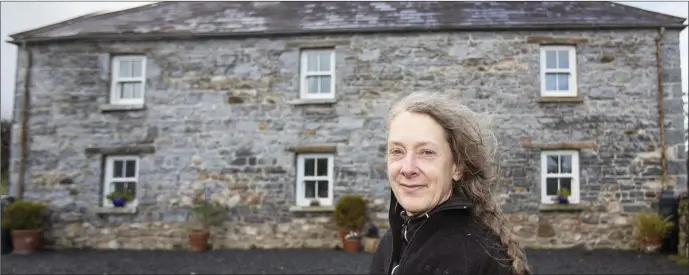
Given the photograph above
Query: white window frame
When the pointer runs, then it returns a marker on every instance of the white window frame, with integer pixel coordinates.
(303, 84)
(114, 75)
(108, 179)
(572, 71)
(575, 189)
(305, 202)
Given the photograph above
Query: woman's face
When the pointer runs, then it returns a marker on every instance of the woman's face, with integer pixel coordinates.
(420, 165)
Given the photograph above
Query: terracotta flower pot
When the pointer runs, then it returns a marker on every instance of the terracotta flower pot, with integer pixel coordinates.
(352, 245)
(198, 240)
(26, 241)
(653, 244)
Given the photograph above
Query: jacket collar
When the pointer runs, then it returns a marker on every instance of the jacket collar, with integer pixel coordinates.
(457, 201)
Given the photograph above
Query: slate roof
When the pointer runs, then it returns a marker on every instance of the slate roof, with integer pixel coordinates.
(195, 19)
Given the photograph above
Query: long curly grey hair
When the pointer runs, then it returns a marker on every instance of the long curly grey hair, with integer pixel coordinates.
(468, 135)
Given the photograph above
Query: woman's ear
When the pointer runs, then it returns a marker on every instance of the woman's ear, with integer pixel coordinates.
(456, 173)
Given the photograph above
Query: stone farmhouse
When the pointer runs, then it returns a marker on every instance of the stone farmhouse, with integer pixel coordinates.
(268, 106)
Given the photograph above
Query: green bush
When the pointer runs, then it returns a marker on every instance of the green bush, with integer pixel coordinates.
(24, 215)
(204, 213)
(350, 213)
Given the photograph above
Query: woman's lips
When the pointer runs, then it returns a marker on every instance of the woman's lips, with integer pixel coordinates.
(411, 187)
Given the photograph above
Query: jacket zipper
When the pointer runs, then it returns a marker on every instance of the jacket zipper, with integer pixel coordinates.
(406, 249)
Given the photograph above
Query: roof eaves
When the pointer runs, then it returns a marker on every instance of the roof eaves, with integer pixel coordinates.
(190, 35)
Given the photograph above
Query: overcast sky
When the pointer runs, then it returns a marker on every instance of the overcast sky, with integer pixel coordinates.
(20, 16)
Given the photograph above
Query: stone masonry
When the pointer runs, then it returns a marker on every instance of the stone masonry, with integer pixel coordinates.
(221, 115)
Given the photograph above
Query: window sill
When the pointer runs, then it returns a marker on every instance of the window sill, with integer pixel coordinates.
(299, 102)
(560, 99)
(567, 208)
(121, 107)
(311, 209)
(115, 210)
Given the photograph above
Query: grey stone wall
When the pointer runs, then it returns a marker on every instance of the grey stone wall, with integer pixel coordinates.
(199, 136)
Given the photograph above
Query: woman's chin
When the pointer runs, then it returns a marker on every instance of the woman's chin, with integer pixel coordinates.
(413, 205)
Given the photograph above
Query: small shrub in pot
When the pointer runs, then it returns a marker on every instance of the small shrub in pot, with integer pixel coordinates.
(651, 229)
(25, 220)
(204, 214)
(350, 214)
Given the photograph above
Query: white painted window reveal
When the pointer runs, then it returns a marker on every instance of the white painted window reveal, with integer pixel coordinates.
(315, 179)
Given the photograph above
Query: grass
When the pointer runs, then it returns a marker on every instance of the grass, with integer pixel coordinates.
(5, 185)
(679, 260)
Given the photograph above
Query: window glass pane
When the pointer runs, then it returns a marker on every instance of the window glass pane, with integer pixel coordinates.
(551, 186)
(324, 64)
(312, 84)
(562, 82)
(566, 164)
(551, 60)
(312, 62)
(136, 68)
(566, 183)
(120, 186)
(322, 167)
(309, 189)
(126, 90)
(550, 82)
(323, 189)
(552, 164)
(309, 167)
(563, 60)
(130, 169)
(325, 84)
(136, 87)
(118, 169)
(125, 69)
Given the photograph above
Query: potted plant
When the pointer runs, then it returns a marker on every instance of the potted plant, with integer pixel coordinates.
(350, 215)
(651, 229)
(563, 196)
(352, 242)
(24, 220)
(204, 215)
(120, 198)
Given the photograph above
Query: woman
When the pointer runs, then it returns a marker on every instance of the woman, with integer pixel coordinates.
(442, 216)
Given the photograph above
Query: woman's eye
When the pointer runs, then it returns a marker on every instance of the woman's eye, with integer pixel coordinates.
(427, 152)
(395, 152)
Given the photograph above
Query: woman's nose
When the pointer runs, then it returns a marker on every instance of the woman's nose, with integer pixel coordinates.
(409, 167)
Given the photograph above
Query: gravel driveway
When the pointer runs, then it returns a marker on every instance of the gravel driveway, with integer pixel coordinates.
(305, 261)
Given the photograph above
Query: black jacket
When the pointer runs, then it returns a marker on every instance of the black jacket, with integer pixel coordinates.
(445, 241)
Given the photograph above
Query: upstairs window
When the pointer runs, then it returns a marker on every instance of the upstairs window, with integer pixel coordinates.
(558, 71)
(128, 80)
(317, 74)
